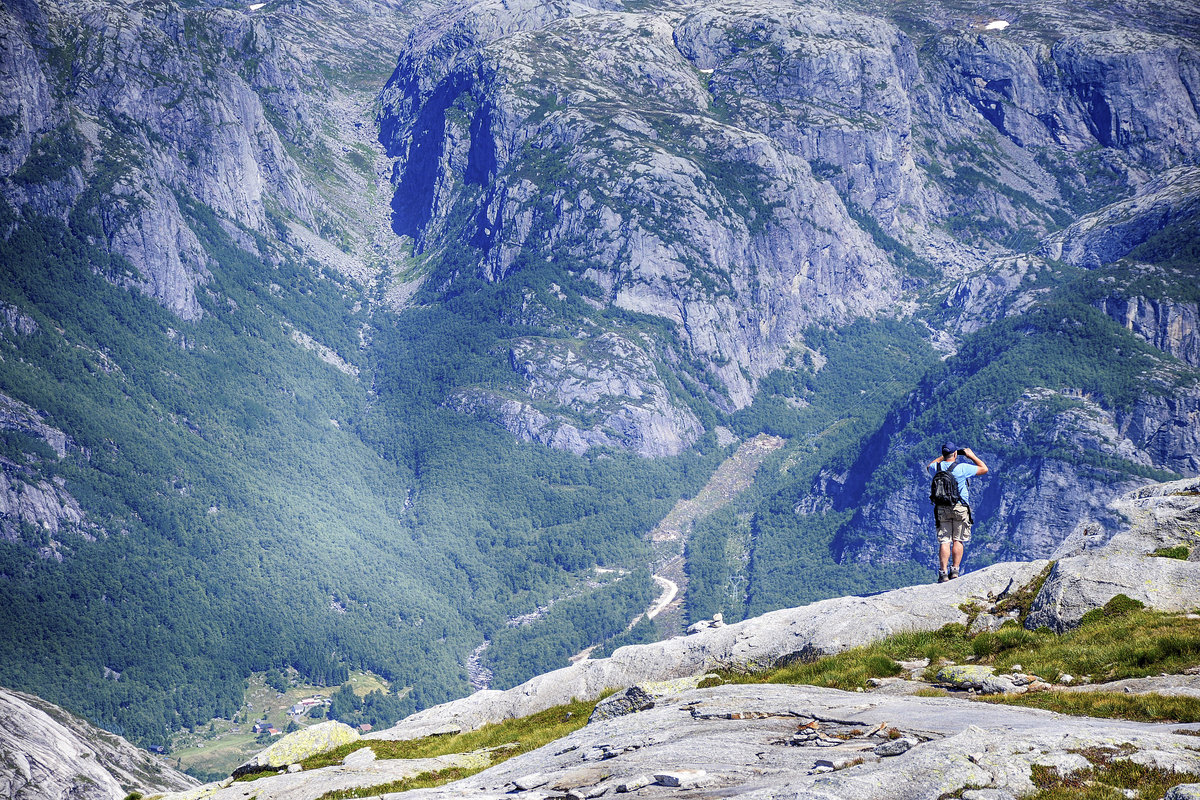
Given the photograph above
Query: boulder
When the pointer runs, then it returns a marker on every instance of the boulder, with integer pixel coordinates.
(296, 747)
(1094, 573)
(894, 747)
(680, 778)
(1002, 684)
(629, 701)
(985, 622)
(965, 676)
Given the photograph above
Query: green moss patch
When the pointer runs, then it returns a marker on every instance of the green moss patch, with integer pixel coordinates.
(510, 738)
(1108, 779)
(1022, 599)
(1179, 551)
(1109, 705)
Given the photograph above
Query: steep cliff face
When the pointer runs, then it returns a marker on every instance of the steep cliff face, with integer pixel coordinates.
(34, 509)
(746, 170)
(830, 86)
(1169, 325)
(117, 112)
(47, 753)
(602, 392)
(596, 143)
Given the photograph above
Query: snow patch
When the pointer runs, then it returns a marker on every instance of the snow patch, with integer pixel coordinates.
(996, 25)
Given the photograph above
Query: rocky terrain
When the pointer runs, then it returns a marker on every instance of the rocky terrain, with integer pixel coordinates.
(975, 164)
(665, 737)
(595, 228)
(47, 754)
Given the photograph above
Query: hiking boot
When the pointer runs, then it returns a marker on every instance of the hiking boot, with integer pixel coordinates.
(942, 577)
(953, 572)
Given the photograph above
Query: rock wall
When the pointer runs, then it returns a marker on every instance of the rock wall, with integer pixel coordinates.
(1168, 325)
(37, 511)
(167, 108)
(746, 170)
(48, 754)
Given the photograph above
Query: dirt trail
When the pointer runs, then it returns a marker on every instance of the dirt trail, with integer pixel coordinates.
(670, 589)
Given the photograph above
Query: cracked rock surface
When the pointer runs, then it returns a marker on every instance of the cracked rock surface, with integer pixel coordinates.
(741, 738)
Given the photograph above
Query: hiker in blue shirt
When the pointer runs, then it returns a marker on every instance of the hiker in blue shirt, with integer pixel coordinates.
(954, 519)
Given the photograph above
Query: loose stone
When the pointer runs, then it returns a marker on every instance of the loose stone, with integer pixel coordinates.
(894, 747)
(532, 781)
(683, 778)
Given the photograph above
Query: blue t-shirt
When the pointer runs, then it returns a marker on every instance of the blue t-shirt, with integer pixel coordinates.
(961, 471)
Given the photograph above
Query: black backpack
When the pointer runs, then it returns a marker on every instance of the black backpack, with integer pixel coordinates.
(944, 489)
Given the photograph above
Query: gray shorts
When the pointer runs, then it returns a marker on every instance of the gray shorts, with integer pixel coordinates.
(953, 523)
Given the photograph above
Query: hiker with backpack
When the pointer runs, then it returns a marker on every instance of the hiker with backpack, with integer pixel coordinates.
(951, 498)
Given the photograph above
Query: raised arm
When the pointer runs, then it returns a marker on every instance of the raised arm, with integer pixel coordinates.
(976, 460)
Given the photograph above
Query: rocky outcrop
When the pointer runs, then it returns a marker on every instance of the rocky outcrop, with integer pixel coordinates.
(48, 754)
(809, 632)
(1171, 326)
(1167, 426)
(1080, 90)
(843, 82)
(297, 746)
(165, 111)
(1111, 233)
(25, 104)
(22, 417)
(1094, 567)
(601, 392)
(34, 509)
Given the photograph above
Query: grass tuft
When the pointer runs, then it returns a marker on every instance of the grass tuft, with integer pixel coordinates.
(1022, 599)
(1119, 641)
(426, 780)
(1108, 780)
(510, 738)
(1108, 705)
(852, 669)
(1179, 551)
(1133, 644)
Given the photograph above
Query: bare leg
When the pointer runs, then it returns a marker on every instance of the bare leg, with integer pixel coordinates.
(958, 551)
(944, 553)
